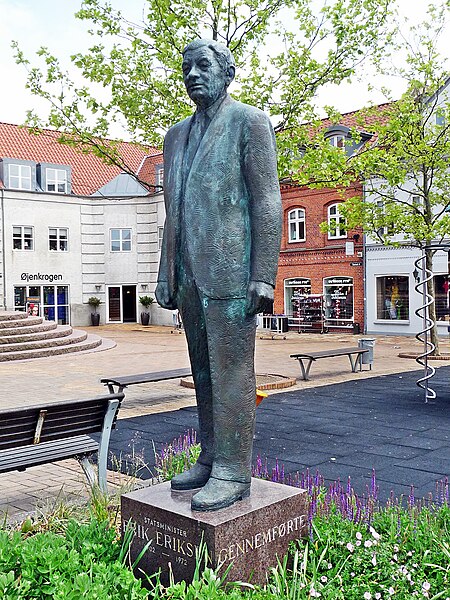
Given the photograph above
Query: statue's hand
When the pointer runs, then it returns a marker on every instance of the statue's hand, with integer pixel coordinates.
(259, 297)
(163, 296)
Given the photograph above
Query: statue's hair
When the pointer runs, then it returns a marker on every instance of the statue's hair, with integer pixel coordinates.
(223, 54)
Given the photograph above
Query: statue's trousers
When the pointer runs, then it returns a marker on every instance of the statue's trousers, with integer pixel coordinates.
(221, 342)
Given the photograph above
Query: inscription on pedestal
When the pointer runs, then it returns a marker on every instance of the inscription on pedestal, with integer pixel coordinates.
(248, 535)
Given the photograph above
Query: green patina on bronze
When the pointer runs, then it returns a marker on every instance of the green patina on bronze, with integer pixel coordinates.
(218, 262)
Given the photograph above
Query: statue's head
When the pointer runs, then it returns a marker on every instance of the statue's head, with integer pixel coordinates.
(208, 70)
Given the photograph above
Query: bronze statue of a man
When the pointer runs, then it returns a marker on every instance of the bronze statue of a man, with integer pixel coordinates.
(218, 263)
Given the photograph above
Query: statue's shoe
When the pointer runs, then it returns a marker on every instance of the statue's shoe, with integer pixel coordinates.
(219, 493)
(196, 477)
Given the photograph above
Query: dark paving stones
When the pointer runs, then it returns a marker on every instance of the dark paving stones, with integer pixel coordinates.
(342, 430)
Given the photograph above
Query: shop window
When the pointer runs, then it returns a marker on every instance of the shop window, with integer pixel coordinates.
(336, 223)
(58, 239)
(49, 301)
(20, 177)
(120, 240)
(294, 289)
(22, 238)
(296, 225)
(441, 297)
(338, 301)
(56, 180)
(393, 297)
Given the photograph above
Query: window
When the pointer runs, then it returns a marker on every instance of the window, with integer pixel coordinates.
(160, 237)
(440, 118)
(159, 176)
(22, 238)
(338, 141)
(20, 177)
(120, 240)
(58, 239)
(49, 301)
(294, 289)
(338, 300)
(296, 224)
(390, 229)
(393, 297)
(336, 223)
(441, 297)
(56, 180)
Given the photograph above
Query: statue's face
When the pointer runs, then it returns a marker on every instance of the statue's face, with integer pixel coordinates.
(204, 78)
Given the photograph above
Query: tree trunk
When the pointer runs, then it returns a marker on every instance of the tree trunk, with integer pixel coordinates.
(434, 339)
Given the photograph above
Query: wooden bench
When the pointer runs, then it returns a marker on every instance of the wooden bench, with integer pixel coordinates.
(54, 431)
(121, 382)
(124, 381)
(306, 359)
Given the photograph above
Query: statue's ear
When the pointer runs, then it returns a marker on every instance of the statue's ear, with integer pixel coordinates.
(230, 74)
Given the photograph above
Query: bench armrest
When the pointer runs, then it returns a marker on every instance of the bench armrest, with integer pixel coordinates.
(113, 406)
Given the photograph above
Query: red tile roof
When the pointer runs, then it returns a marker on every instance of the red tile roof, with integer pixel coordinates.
(147, 172)
(89, 173)
(360, 119)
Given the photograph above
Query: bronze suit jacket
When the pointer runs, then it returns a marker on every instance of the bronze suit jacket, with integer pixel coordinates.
(228, 201)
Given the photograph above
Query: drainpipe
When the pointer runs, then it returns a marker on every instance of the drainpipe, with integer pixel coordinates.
(2, 191)
(364, 269)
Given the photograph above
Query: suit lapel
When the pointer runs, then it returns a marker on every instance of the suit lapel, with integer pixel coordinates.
(179, 149)
(210, 137)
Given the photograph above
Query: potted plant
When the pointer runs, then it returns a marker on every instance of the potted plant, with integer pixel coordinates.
(146, 301)
(95, 316)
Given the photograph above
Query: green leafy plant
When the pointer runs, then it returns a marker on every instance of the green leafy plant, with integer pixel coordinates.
(178, 456)
(86, 561)
(94, 302)
(146, 301)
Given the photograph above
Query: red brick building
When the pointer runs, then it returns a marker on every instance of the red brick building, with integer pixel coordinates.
(320, 281)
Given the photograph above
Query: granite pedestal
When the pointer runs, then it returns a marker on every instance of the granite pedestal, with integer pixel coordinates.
(248, 535)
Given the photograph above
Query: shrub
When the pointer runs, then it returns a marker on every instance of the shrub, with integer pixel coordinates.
(85, 562)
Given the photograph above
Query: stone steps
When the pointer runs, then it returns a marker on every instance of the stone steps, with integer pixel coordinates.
(23, 337)
(91, 341)
(21, 331)
(12, 315)
(33, 336)
(20, 322)
(72, 337)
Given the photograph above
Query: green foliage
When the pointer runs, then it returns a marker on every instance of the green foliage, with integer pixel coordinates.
(401, 554)
(94, 302)
(405, 165)
(146, 301)
(285, 51)
(177, 457)
(81, 563)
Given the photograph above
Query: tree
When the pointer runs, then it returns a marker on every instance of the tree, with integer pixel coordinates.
(285, 51)
(405, 165)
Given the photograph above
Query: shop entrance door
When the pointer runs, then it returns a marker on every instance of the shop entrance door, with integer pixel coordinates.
(129, 303)
(122, 304)
(114, 312)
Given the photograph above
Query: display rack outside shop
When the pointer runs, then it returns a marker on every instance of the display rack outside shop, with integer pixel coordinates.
(308, 313)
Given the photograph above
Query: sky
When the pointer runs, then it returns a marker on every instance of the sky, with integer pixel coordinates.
(50, 23)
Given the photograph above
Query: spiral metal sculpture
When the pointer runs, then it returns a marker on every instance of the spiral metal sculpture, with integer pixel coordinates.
(423, 336)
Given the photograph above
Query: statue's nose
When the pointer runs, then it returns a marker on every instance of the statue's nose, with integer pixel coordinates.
(193, 72)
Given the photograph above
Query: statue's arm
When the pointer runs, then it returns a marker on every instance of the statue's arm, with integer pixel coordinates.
(260, 167)
(162, 293)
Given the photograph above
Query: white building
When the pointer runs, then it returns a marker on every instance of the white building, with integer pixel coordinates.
(73, 227)
(391, 275)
